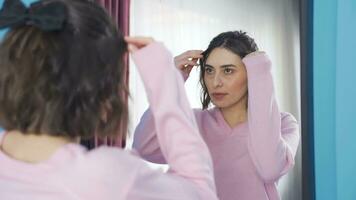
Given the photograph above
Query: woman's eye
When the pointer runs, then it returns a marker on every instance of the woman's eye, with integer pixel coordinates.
(228, 71)
(208, 70)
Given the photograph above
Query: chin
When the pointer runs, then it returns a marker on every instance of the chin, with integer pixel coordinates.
(220, 104)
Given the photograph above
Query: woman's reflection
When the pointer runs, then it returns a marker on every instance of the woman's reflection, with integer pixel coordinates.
(251, 141)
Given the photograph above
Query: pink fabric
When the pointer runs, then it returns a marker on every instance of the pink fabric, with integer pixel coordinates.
(120, 12)
(249, 158)
(109, 173)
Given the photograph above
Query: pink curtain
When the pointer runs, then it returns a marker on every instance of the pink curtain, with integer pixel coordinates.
(120, 12)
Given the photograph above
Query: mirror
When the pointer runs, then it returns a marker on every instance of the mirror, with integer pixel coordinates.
(183, 25)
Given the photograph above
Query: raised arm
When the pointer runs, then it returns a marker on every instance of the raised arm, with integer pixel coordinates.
(274, 139)
(145, 139)
(177, 133)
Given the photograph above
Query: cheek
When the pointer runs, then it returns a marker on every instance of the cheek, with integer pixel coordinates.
(238, 84)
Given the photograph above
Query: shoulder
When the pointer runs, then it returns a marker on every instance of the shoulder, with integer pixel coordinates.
(100, 164)
(113, 157)
(105, 171)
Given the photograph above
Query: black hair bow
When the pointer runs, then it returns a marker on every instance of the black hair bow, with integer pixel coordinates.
(47, 16)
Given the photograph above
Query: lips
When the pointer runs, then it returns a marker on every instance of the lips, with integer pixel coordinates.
(218, 96)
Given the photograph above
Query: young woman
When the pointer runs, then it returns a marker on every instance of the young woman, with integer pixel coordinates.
(60, 80)
(251, 141)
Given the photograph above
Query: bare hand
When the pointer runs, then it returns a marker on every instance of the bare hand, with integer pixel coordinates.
(187, 60)
(136, 43)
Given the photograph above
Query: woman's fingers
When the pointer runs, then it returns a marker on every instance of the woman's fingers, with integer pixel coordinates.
(187, 70)
(139, 40)
(184, 62)
(191, 54)
(185, 65)
(132, 48)
(136, 43)
(188, 58)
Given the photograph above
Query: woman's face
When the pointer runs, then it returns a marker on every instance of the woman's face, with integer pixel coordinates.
(225, 78)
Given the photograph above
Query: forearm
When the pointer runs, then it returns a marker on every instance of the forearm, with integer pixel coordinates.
(177, 131)
(146, 141)
(270, 152)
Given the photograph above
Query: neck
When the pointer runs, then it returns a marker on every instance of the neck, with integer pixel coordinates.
(236, 113)
(32, 148)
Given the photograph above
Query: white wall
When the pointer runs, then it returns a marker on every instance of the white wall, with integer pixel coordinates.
(184, 24)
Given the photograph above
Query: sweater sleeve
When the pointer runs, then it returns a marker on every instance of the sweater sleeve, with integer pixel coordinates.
(177, 132)
(273, 139)
(145, 139)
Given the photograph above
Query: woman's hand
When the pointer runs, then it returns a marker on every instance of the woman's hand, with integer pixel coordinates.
(187, 60)
(137, 43)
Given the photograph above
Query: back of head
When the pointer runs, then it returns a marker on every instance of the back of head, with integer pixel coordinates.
(64, 81)
(238, 42)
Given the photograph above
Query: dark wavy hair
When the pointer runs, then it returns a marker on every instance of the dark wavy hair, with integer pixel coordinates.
(237, 42)
(68, 82)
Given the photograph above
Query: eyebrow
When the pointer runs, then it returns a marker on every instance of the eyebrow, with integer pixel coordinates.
(222, 66)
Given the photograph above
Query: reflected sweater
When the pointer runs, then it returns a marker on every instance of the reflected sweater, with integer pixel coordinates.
(248, 159)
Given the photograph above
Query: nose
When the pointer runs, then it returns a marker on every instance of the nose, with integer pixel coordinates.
(217, 80)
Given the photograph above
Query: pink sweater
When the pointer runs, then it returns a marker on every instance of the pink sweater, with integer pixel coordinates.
(249, 158)
(111, 173)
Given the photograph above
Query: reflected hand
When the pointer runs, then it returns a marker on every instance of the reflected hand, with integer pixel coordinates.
(187, 60)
